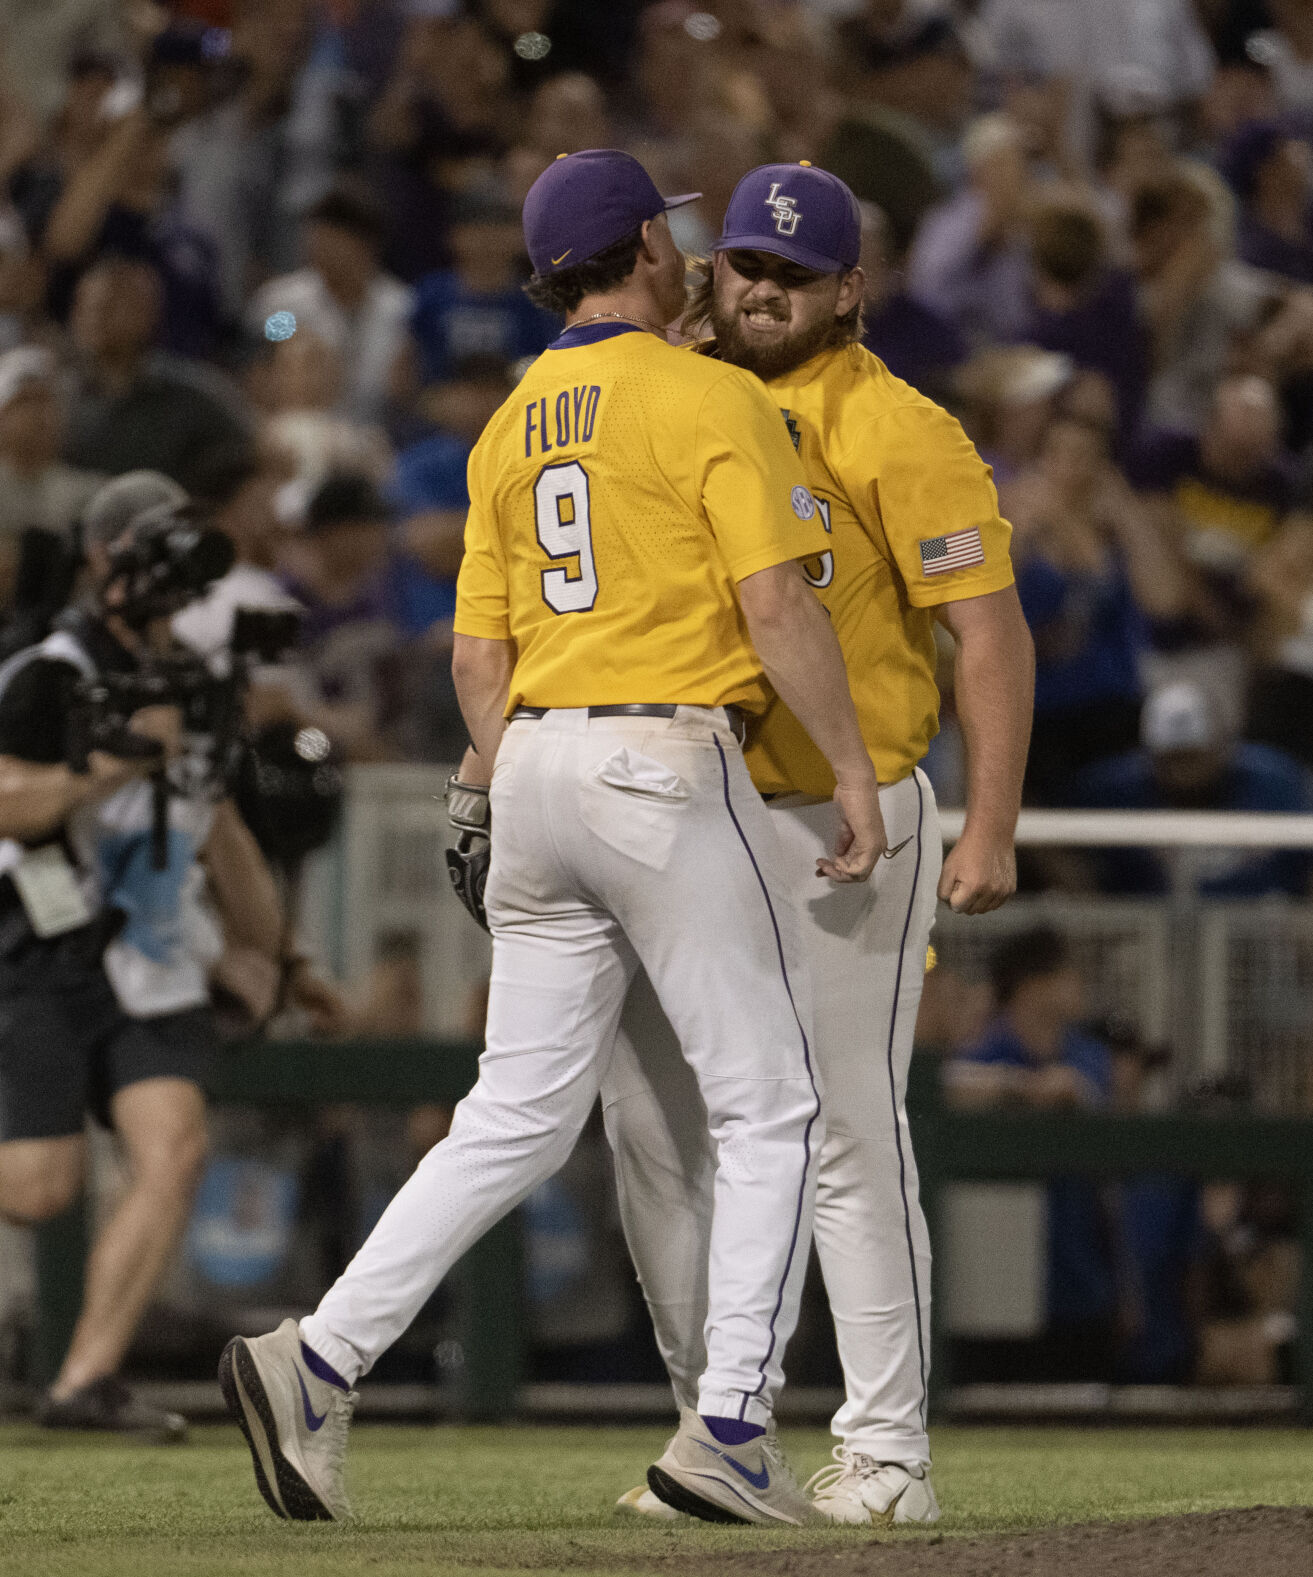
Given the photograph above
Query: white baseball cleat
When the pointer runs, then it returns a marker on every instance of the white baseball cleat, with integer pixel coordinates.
(718, 1483)
(857, 1488)
(294, 1422)
(641, 1502)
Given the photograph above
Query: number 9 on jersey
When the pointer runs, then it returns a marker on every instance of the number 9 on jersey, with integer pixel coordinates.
(565, 531)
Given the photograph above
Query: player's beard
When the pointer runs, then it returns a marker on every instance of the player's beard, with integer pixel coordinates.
(766, 360)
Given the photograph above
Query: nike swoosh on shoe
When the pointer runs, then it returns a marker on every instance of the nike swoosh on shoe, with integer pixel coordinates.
(313, 1420)
(757, 1480)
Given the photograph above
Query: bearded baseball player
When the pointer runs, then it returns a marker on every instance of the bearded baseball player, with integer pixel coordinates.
(913, 536)
(631, 588)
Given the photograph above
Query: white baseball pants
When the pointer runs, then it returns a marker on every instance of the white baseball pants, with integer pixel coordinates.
(621, 843)
(866, 947)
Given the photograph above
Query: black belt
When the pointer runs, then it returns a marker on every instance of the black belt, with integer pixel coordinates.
(733, 715)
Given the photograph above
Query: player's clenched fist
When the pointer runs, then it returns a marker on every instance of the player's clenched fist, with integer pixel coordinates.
(860, 840)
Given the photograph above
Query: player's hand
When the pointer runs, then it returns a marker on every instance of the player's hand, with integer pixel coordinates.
(979, 874)
(860, 840)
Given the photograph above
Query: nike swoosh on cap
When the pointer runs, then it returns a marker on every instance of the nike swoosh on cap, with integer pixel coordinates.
(563, 256)
(757, 1480)
(313, 1420)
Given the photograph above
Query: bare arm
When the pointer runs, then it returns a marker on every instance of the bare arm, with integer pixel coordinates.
(800, 653)
(242, 885)
(80, 212)
(35, 801)
(994, 681)
(1155, 567)
(482, 671)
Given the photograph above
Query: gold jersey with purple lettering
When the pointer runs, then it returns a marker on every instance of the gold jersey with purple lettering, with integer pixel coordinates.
(615, 500)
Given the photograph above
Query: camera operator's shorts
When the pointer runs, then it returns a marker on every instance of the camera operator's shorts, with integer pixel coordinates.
(64, 1054)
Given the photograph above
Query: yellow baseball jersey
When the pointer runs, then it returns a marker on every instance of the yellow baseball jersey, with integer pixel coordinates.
(615, 500)
(913, 522)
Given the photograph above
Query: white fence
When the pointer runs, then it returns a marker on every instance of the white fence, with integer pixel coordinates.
(1227, 985)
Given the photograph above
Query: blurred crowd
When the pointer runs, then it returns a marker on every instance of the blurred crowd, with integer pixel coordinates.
(272, 249)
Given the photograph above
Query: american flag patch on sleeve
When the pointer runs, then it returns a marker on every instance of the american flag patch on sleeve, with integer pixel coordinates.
(957, 550)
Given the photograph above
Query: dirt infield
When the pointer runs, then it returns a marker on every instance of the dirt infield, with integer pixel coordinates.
(1264, 1541)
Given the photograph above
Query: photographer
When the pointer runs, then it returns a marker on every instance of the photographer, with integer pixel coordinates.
(111, 824)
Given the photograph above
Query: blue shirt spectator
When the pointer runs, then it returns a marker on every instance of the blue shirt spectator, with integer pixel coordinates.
(1048, 1062)
(1185, 763)
(430, 475)
(477, 307)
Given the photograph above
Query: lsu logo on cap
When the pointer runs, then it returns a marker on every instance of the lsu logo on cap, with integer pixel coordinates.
(804, 505)
(786, 210)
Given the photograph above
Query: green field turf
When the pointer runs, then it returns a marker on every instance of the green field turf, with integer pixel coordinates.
(450, 1500)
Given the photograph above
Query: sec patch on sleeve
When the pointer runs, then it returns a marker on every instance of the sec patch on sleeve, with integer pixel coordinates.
(957, 550)
(804, 505)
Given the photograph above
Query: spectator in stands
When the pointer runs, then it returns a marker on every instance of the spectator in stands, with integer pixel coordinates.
(1084, 307)
(1222, 494)
(1280, 582)
(1093, 570)
(1185, 761)
(440, 121)
(568, 114)
(1009, 394)
(344, 297)
(22, 285)
(297, 383)
(239, 494)
(119, 200)
(909, 56)
(913, 340)
(970, 261)
(429, 487)
(1035, 1056)
(36, 487)
(1095, 49)
(1269, 170)
(250, 166)
(1196, 297)
(76, 132)
(478, 306)
(340, 572)
(134, 408)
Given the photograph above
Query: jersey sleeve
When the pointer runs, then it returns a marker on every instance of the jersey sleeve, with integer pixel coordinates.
(934, 499)
(482, 604)
(753, 490)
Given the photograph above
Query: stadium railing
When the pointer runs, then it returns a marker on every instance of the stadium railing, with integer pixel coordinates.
(1212, 979)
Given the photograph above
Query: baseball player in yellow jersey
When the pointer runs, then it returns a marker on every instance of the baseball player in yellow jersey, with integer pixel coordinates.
(631, 583)
(913, 536)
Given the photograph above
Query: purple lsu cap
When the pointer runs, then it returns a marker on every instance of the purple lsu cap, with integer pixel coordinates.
(795, 211)
(584, 202)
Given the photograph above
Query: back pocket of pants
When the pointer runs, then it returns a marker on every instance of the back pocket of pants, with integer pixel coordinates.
(632, 803)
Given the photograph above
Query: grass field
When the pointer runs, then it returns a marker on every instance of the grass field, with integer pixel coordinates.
(449, 1500)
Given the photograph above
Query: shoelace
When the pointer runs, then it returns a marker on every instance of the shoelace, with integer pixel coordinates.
(846, 1464)
(343, 1405)
(779, 1462)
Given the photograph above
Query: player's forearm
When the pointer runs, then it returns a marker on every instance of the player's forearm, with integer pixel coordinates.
(800, 653)
(994, 686)
(481, 671)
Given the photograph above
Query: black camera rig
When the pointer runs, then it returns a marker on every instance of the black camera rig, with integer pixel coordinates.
(211, 705)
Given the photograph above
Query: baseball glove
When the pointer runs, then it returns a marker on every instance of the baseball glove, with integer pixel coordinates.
(467, 862)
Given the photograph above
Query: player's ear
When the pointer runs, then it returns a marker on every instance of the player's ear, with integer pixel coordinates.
(852, 287)
(650, 238)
